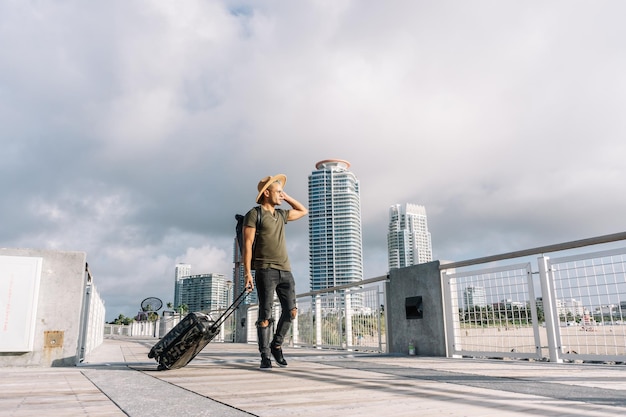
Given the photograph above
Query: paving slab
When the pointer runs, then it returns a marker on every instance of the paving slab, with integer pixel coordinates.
(118, 379)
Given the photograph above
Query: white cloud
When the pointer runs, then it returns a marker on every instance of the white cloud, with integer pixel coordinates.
(134, 131)
(208, 259)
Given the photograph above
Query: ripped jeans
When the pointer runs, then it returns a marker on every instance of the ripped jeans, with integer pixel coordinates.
(267, 282)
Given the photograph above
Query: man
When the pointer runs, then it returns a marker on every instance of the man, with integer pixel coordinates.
(265, 251)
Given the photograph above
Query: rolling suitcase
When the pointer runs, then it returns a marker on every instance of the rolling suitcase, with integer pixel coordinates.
(181, 344)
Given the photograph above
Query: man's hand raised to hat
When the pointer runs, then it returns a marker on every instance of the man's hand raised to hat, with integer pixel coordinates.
(297, 209)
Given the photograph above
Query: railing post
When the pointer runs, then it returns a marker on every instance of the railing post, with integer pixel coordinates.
(318, 320)
(221, 336)
(382, 301)
(452, 321)
(348, 307)
(533, 311)
(295, 334)
(549, 309)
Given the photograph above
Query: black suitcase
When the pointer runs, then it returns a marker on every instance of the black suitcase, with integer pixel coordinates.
(181, 344)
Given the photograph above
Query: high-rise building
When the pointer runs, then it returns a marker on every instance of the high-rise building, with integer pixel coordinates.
(180, 271)
(241, 313)
(203, 292)
(474, 296)
(335, 241)
(408, 238)
(238, 276)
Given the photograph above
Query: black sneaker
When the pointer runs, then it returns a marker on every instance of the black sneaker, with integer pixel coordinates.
(277, 352)
(266, 363)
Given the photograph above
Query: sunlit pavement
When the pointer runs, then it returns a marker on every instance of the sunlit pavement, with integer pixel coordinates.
(118, 379)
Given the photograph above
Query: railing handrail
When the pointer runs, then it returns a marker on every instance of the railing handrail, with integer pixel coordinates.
(614, 237)
(538, 250)
(344, 286)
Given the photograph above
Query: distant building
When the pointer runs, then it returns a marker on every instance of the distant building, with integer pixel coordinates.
(203, 292)
(564, 308)
(607, 310)
(180, 271)
(408, 238)
(573, 307)
(474, 297)
(508, 305)
(238, 276)
(335, 240)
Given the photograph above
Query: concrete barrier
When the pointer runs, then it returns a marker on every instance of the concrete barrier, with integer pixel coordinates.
(50, 311)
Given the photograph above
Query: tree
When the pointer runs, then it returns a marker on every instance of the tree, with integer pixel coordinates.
(122, 319)
(183, 309)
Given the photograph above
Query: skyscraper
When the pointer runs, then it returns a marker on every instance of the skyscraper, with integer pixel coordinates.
(203, 292)
(408, 238)
(474, 296)
(335, 242)
(238, 278)
(180, 271)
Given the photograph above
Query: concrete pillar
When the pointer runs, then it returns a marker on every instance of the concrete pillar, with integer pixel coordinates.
(427, 332)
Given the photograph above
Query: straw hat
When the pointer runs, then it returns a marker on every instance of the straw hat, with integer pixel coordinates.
(267, 181)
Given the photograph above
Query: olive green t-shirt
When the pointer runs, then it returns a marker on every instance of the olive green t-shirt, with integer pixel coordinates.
(270, 249)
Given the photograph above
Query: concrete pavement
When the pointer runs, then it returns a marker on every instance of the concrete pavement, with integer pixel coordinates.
(118, 379)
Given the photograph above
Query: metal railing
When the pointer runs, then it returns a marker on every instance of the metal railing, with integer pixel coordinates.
(161, 326)
(571, 308)
(134, 329)
(347, 317)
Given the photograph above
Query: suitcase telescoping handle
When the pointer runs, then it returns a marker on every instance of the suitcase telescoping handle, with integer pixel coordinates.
(221, 319)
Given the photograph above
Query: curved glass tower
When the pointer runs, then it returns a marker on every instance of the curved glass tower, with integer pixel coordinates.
(408, 238)
(335, 241)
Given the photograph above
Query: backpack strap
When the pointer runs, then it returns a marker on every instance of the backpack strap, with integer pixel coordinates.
(256, 232)
(258, 219)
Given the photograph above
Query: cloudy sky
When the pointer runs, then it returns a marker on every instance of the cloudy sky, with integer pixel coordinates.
(135, 130)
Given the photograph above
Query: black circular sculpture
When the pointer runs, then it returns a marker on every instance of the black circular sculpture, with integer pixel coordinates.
(151, 304)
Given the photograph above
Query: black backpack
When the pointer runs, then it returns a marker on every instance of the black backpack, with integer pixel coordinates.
(239, 229)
